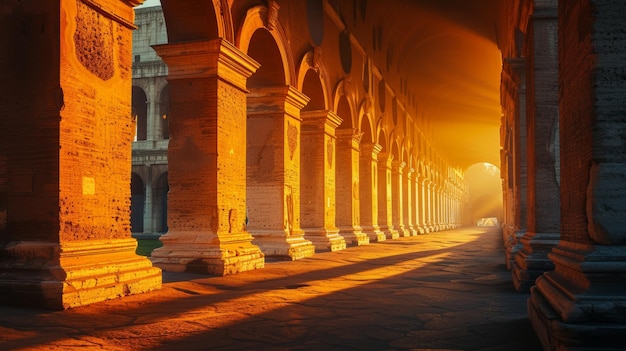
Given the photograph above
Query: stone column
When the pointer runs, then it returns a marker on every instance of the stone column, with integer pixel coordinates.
(368, 174)
(385, 197)
(419, 203)
(206, 155)
(439, 206)
(543, 229)
(397, 197)
(317, 194)
(148, 218)
(426, 206)
(580, 304)
(515, 188)
(67, 131)
(273, 172)
(153, 120)
(348, 217)
(408, 194)
(430, 200)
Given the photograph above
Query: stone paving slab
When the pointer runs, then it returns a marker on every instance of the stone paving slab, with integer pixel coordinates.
(441, 291)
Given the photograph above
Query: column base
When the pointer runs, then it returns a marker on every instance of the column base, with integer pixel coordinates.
(354, 236)
(325, 240)
(403, 231)
(412, 230)
(66, 275)
(512, 245)
(374, 233)
(390, 232)
(532, 260)
(557, 335)
(280, 245)
(580, 304)
(201, 253)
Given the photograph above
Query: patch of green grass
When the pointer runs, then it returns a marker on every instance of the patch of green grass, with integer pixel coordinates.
(145, 246)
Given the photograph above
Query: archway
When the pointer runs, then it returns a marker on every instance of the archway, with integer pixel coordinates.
(139, 111)
(484, 188)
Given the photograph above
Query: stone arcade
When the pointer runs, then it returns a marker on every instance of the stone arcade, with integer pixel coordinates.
(296, 127)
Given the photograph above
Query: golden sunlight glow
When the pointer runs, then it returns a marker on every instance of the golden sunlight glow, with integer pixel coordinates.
(485, 191)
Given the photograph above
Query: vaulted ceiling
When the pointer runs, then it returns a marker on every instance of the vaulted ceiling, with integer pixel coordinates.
(442, 59)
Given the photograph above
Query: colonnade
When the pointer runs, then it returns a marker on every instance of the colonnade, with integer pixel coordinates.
(564, 227)
(276, 148)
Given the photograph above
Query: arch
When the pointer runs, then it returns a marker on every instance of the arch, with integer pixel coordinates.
(197, 20)
(395, 150)
(484, 188)
(265, 51)
(311, 81)
(365, 123)
(137, 202)
(344, 103)
(383, 140)
(313, 88)
(257, 19)
(344, 110)
(139, 108)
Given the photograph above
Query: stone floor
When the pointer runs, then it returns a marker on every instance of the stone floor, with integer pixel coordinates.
(441, 291)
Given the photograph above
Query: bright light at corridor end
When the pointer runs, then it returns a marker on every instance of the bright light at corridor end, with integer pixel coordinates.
(485, 192)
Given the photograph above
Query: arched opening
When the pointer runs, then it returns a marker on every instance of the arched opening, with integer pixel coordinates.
(484, 188)
(312, 87)
(347, 170)
(263, 49)
(265, 138)
(139, 111)
(313, 166)
(137, 203)
(190, 20)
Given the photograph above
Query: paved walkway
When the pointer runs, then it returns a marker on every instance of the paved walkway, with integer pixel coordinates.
(446, 290)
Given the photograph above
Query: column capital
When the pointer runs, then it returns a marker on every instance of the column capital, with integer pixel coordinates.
(326, 118)
(398, 166)
(210, 58)
(373, 148)
(285, 99)
(385, 158)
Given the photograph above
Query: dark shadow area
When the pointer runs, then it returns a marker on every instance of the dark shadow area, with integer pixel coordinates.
(458, 296)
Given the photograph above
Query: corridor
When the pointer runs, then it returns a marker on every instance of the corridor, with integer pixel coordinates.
(448, 290)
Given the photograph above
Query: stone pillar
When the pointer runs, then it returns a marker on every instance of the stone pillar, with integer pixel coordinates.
(580, 304)
(439, 206)
(368, 174)
(445, 203)
(397, 197)
(153, 121)
(426, 206)
(418, 205)
(515, 188)
(66, 153)
(348, 217)
(543, 230)
(385, 197)
(431, 206)
(408, 194)
(317, 194)
(148, 218)
(206, 155)
(273, 172)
